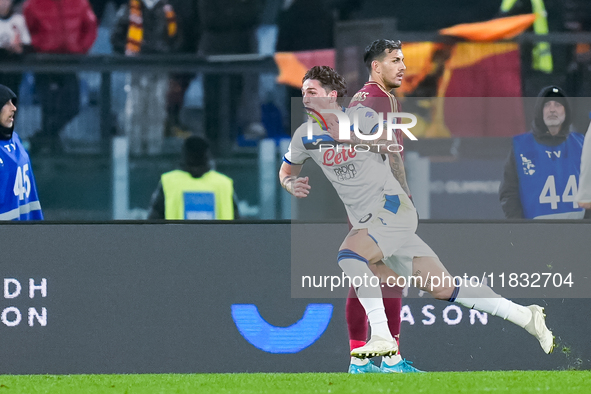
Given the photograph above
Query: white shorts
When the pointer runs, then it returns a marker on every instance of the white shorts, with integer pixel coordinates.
(401, 261)
(392, 226)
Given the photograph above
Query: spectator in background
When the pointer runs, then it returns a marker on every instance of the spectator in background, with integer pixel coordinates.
(179, 82)
(411, 15)
(542, 170)
(577, 19)
(146, 27)
(15, 41)
(17, 6)
(229, 27)
(58, 27)
(98, 7)
(302, 30)
(195, 191)
(18, 191)
(542, 62)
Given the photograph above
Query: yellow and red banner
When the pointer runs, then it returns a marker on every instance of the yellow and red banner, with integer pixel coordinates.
(478, 67)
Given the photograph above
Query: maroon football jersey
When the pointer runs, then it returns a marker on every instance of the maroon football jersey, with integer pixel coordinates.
(374, 96)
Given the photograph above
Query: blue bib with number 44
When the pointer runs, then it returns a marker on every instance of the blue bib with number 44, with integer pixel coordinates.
(548, 177)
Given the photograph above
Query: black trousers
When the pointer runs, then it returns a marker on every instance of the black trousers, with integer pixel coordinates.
(59, 96)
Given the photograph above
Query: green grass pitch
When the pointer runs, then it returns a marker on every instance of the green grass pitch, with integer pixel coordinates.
(434, 382)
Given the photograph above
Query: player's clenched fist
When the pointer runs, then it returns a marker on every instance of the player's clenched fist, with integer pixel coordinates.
(301, 188)
(298, 187)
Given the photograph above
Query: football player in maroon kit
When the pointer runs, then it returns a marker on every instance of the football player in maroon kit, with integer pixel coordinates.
(385, 63)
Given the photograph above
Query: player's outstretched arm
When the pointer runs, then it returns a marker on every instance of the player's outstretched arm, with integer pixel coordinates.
(296, 186)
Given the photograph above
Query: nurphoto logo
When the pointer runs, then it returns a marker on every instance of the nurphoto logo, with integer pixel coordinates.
(345, 127)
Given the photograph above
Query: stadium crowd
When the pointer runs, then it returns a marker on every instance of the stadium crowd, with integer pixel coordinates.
(151, 108)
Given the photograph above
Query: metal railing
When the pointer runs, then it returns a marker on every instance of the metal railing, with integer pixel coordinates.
(223, 65)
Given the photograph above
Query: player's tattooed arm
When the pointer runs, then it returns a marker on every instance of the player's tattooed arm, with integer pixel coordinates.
(287, 183)
(397, 168)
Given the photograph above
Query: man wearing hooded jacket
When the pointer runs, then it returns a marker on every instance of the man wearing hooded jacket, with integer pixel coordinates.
(542, 171)
(18, 192)
(58, 27)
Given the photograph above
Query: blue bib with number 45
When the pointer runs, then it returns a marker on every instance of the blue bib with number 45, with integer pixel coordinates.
(18, 193)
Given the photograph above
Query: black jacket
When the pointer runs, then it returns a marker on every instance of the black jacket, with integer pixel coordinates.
(509, 190)
(229, 26)
(155, 30)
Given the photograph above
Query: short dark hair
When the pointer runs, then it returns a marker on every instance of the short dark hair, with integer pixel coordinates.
(195, 152)
(377, 50)
(329, 79)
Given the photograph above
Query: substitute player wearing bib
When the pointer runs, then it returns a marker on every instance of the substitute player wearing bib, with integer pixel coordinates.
(384, 221)
(542, 172)
(18, 191)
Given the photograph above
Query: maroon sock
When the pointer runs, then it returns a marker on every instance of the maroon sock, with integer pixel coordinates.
(356, 320)
(393, 303)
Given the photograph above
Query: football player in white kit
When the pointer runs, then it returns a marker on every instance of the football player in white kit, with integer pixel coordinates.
(383, 217)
